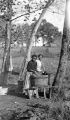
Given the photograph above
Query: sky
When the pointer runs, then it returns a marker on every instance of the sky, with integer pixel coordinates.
(57, 19)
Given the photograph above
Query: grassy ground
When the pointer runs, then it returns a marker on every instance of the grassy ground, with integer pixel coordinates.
(16, 108)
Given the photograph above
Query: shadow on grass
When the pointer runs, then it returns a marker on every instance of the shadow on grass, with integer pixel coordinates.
(13, 90)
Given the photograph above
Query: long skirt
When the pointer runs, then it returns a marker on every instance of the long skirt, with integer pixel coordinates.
(27, 81)
(30, 79)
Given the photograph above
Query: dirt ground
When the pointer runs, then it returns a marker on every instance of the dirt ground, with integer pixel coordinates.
(17, 108)
(20, 108)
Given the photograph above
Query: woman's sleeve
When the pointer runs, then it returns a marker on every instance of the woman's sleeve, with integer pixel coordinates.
(43, 67)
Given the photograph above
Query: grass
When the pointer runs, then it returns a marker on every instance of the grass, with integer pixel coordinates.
(34, 109)
(50, 60)
(18, 55)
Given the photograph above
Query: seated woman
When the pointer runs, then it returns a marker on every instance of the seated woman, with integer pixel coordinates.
(31, 72)
(40, 65)
(32, 69)
(32, 65)
(31, 75)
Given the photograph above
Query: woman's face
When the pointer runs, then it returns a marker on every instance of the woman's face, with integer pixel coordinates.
(34, 58)
(40, 57)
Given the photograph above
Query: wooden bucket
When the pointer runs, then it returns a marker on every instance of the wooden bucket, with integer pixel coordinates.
(41, 81)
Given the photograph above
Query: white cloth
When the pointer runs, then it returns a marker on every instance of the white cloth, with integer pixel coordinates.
(27, 81)
(39, 65)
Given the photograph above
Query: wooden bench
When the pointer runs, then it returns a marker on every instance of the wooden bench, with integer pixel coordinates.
(42, 82)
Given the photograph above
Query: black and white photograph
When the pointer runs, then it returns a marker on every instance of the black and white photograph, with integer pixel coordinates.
(34, 59)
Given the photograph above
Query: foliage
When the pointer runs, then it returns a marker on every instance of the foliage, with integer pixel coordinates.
(16, 33)
(21, 33)
(58, 95)
(27, 9)
(47, 31)
(6, 9)
(18, 8)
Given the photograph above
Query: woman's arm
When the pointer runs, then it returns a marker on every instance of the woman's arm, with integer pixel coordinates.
(43, 67)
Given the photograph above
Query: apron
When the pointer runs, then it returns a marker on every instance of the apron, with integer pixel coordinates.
(27, 81)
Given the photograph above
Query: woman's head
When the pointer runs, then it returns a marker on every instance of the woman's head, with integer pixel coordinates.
(40, 56)
(34, 57)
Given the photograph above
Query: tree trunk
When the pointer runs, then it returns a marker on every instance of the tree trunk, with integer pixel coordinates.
(35, 40)
(11, 64)
(6, 57)
(60, 74)
(28, 52)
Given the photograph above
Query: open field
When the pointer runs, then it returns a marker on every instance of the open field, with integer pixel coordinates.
(19, 53)
(50, 60)
(51, 56)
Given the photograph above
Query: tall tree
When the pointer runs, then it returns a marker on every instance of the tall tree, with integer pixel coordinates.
(6, 57)
(6, 9)
(29, 47)
(48, 31)
(60, 74)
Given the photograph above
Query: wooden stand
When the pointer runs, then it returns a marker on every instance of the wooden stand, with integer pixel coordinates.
(42, 82)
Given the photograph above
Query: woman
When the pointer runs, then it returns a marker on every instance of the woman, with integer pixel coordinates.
(31, 69)
(31, 76)
(40, 65)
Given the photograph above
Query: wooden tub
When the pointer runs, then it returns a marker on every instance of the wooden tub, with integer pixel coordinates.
(41, 81)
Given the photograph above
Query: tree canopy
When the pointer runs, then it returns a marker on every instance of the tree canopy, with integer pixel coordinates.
(46, 30)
